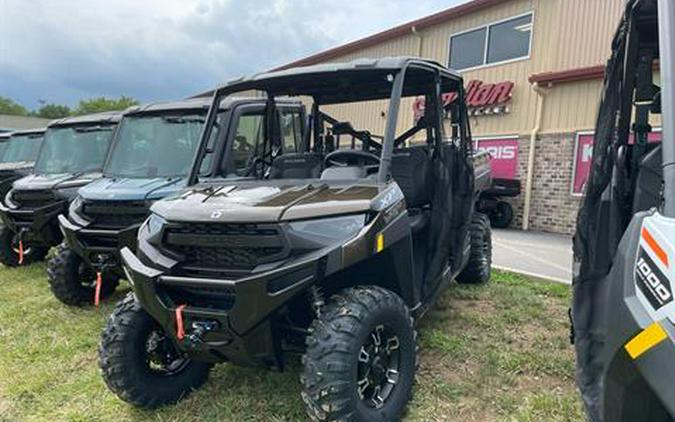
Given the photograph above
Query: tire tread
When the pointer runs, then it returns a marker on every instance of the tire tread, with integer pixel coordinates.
(325, 380)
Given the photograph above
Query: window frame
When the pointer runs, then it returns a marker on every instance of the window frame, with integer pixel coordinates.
(297, 140)
(241, 111)
(486, 45)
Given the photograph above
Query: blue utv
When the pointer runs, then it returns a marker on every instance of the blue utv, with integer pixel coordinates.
(71, 156)
(151, 157)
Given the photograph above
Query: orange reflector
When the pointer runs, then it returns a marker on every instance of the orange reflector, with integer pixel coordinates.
(380, 242)
(180, 329)
(20, 252)
(97, 292)
(647, 339)
(663, 256)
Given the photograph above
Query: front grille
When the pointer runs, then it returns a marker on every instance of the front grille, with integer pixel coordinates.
(115, 214)
(218, 299)
(213, 247)
(33, 198)
(97, 241)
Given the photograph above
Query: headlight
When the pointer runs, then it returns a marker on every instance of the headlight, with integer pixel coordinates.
(387, 198)
(8, 200)
(153, 225)
(76, 203)
(76, 212)
(68, 193)
(326, 231)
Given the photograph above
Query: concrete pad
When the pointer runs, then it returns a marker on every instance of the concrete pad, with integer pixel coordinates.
(543, 255)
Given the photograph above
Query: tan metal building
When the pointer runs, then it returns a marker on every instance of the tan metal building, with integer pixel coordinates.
(534, 72)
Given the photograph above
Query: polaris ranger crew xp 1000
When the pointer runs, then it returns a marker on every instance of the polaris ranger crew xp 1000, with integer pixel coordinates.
(19, 151)
(332, 252)
(151, 155)
(71, 155)
(623, 310)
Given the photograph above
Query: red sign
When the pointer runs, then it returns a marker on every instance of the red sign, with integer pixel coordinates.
(504, 154)
(479, 95)
(583, 156)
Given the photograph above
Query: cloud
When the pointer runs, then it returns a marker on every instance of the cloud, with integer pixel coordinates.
(164, 49)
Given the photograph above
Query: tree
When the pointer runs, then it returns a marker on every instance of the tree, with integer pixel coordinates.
(53, 111)
(8, 106)
(97, 105)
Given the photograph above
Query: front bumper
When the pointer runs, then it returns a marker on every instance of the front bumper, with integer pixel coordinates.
(98, 247)
(38, 226)
(245, 333)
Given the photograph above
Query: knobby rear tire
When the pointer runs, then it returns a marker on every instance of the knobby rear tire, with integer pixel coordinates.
(479, 267)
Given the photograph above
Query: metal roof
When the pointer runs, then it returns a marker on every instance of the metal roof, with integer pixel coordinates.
(196, 103)
(332, 69)
(385, 63)
(103, 117)
(38, 131)
(395, 32)
(12, 122)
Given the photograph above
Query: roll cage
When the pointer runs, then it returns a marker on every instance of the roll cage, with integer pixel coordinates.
(363, 80)
(629, 98)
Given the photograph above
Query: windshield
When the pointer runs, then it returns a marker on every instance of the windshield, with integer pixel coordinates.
(74, 149)
(155, 146)
(3, 148)
(22, 148)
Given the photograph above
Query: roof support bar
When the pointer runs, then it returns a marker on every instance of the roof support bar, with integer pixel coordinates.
(667, 57)
(390, 128)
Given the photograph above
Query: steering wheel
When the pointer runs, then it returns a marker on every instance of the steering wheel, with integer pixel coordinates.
(351, 157)
(241, 144)
(256, 166)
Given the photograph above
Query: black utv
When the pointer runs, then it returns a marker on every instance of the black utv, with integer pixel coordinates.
(71, 156)
(150, 157)
(18, 151)
(334, 251)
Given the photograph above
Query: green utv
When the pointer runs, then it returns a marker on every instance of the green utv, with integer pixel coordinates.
(150, 157)
(71, 156)
(333, 252)
(18, 151)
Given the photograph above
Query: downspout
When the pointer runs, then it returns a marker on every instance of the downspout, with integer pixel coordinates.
(531, 154)
(420, 37)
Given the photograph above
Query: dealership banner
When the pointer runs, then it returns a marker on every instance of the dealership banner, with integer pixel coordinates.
(482, 99)
(583, 155)
(504, 156)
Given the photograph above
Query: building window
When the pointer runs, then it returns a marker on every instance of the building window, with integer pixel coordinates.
(494, 43)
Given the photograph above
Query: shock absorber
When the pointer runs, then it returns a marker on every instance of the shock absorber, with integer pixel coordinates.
(317, 299)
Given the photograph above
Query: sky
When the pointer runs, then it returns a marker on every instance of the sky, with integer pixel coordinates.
(60, 51)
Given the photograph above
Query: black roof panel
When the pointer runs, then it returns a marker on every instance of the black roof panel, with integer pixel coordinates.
(103, 117)
(357, 80)
(38, 131)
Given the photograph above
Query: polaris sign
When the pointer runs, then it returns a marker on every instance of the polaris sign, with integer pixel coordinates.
(503, 156)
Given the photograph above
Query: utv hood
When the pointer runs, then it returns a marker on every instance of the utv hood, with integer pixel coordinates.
(125, 189)
(11, 168)
(261, 204)
(55, 181)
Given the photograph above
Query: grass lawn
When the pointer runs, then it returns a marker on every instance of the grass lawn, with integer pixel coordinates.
(491, 353)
